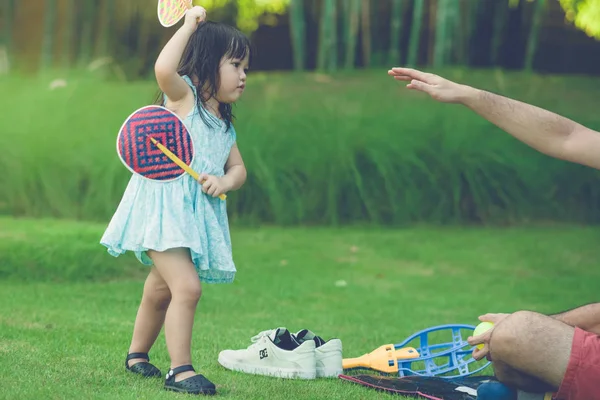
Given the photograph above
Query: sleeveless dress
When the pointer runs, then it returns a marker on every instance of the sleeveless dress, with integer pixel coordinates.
(163, 215)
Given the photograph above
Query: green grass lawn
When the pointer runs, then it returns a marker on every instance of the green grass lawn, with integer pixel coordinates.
(67, 308)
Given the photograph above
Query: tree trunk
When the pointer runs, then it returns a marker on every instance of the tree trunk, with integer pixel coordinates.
(473, 18)
(332, 64)
(352, 16)
(366, 32)
(394, 56)
(68, 33)
(87, 24)
(8, 11)
(459, 32)
(143, 41)
(500, 16)
(327, 15)
(415, 33)
(105, 36)
(439, 56)
(298, 33)
(453, 37)
(48, 39)
(532, 41)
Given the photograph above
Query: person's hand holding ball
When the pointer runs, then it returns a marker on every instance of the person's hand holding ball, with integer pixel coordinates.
(481, 329)
(482, 334)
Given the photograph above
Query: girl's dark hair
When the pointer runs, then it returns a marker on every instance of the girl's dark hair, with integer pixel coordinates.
(202, 56)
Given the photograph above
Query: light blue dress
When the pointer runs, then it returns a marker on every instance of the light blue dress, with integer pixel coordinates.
(162, 215)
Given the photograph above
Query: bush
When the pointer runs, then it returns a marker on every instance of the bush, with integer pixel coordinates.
(60, 251)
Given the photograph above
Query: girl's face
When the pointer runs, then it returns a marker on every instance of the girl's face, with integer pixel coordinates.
(232, 76)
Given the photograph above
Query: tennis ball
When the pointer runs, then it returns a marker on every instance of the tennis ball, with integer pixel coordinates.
(481, 328)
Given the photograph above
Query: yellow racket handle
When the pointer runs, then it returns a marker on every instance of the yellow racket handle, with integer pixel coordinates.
(178, 161)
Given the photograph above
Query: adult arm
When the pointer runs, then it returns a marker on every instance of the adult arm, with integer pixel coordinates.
(545, 131)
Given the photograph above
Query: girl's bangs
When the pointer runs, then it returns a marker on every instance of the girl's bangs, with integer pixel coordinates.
(239, 48)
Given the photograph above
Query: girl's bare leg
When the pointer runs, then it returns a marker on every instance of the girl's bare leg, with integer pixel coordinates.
(150, 315)
(176, 268)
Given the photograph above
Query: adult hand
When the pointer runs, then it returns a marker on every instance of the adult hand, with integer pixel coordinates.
(438, 88)
(484, 338)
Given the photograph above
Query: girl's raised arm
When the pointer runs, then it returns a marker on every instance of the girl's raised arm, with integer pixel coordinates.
(165, 68)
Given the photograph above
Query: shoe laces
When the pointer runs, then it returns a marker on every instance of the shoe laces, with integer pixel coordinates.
(263, 334)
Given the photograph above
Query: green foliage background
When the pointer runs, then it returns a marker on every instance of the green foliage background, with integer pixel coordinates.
(349, 148)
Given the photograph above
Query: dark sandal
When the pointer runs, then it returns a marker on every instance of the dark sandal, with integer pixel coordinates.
(197, 384)
(143, 368)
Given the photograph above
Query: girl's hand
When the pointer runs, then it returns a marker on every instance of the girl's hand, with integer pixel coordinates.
(194, 16)
(213, 185)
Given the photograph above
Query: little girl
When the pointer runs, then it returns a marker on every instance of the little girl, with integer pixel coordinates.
(180, 228)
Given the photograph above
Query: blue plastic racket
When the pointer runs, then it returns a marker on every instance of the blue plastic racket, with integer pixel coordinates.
(440, 351)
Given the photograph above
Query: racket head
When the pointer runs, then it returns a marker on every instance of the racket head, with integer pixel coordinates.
(170, 12)
(142, 157)
(444, 352)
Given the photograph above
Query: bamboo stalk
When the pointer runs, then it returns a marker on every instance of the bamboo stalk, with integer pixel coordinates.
(415, 32)
(395, 31)
(48, 38)
(532, 40)
(298, 33)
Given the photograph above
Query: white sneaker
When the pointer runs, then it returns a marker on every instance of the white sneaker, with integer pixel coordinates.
(273, 353)
(328, 354)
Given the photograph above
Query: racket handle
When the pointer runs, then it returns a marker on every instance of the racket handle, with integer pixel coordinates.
(370, 361)
(178, 161)
(349, 363)
(384, 358)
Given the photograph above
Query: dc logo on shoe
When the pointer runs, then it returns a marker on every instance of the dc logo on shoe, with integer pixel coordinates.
(263, 353)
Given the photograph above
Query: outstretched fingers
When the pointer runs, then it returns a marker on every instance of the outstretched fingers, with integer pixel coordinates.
(424, 87)
(417, 79)
(407, 74)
